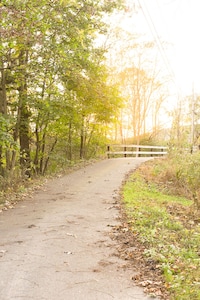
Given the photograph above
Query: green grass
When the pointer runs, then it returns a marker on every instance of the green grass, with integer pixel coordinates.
(174, 246)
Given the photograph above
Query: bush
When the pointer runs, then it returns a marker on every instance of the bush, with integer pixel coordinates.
(178, 174)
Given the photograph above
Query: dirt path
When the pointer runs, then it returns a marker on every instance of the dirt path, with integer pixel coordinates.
(56, 245)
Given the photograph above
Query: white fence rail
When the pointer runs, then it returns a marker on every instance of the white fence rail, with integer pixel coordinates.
(135, 150)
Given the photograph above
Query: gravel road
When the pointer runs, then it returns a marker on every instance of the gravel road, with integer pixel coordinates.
(56, 245)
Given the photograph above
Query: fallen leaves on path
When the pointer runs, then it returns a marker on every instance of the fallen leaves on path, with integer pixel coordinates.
(146, 272)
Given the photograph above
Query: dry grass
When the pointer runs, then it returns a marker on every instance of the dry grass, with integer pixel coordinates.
(163, 216)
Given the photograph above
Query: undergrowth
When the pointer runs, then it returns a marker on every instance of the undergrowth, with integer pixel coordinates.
(16, 187)
(162, 213)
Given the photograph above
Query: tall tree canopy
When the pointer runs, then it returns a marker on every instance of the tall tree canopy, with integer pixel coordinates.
(54, 92)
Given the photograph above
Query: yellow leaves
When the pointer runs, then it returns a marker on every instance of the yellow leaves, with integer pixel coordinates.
(68, 2)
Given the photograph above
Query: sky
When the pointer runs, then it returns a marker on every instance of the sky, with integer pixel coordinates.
(175, 26)
(177, 23)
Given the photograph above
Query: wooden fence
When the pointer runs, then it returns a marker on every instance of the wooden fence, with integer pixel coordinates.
(135, 151)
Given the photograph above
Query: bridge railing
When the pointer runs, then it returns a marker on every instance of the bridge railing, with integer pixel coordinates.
(135, 150)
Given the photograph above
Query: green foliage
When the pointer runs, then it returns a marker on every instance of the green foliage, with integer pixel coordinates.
(55, 85)
(168, 238)
(181, 171)
(6, 139)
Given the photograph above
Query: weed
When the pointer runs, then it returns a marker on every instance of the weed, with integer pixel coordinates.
(169, 235)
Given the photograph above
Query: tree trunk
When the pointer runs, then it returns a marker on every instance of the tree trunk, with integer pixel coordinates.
(82, 142)
(43, 146)
(3, 110)
(69, 152)
(47, 160)
(24, 114)
(3, 98)
(37, 150)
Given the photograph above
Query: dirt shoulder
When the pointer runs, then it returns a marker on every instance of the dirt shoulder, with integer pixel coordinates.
(58, 244)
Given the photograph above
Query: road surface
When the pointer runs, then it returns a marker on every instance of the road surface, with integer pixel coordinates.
(56, 245)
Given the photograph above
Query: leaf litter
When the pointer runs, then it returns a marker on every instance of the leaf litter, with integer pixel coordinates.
(146, 272)
(149, 272)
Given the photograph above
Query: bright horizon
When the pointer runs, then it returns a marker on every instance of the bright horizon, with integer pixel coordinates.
(173, 25)
(177, 23)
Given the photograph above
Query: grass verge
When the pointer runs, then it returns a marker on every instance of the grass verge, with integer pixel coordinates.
(170, 237)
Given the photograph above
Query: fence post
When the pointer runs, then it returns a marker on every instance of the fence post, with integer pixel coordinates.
(124, 151)
(108, 150)
(139, 149)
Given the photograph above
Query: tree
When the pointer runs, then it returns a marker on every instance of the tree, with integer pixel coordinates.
(140, 85)
(48, 82)
(136, 65)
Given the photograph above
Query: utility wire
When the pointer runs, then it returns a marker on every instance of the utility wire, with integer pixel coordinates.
(154, 32)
